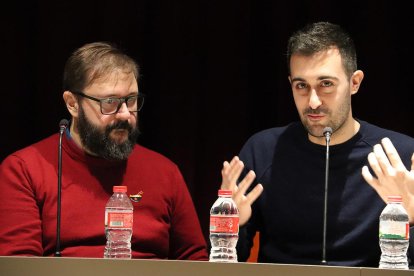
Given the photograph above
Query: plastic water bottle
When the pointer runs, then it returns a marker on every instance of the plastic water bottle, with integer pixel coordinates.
(224, 228)
(394, 234)
(118, 224)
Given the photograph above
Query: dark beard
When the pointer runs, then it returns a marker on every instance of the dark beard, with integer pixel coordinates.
(101, 144)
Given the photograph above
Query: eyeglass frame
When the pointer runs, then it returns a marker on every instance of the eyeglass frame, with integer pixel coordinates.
(122, 100)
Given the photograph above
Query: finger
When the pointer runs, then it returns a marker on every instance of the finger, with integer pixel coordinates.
(373, 182)
(254, 194)
(246, 182)
(392, 154)
(225, 183)
(412, 162)
(226, 168)
(226, 171)
(368, 176)
(375, 166)
(234, 160)
(382, 159)
(235, 171)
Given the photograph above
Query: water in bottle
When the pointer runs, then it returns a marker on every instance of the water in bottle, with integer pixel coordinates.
(224, 228)
(394, 235)
(118, 224)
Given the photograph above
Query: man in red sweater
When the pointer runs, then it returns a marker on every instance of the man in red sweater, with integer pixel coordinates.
(98, 152)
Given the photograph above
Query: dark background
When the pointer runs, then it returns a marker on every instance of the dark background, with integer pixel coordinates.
(214, 71)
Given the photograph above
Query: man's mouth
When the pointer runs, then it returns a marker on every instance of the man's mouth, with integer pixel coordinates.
(315, 117)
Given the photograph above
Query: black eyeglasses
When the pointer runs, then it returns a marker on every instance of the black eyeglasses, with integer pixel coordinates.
(110, 106)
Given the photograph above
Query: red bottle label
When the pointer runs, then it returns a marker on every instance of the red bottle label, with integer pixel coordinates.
(224, 224)
(118, 220)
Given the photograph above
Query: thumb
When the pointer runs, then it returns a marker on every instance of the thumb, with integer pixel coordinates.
(412, 162)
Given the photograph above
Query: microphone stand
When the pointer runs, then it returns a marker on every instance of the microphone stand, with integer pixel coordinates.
(327, 132)
(62, 125)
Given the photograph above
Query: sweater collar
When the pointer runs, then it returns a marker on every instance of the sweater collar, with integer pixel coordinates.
(338, 147)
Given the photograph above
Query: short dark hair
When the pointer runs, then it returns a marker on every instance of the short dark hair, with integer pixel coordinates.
(95, 60)
(321, 36)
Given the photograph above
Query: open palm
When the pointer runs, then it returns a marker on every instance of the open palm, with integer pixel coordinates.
(230, 176)
(392, 177)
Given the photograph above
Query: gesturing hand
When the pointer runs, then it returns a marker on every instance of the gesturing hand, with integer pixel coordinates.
(230, 174)
(392, 176)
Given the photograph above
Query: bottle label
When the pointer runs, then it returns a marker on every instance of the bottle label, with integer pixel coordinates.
(398, 230)
(118, 219)
(224, 224)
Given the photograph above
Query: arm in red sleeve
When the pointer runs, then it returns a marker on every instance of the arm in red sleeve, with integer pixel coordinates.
(20, 223)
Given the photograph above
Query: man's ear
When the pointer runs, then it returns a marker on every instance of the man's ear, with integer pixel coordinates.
(356, 81)
(71, 103)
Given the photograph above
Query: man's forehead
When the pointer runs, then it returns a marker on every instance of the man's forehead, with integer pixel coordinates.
(114, 79)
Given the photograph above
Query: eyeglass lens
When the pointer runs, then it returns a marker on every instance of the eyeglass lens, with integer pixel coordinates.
(112, 105)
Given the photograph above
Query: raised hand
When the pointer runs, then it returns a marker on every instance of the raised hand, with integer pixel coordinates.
(392, 177)
(230, 175)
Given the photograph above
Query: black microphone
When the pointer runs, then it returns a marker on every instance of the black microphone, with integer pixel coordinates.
(63, 124)
(327, 132)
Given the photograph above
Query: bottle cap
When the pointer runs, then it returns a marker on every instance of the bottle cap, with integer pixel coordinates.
(394, 198)
(120, 189)
(225, 192)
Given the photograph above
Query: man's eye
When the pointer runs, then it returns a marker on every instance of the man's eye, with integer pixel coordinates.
(110, 101)
(132, 100)
(301, 85)
(326, 84)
